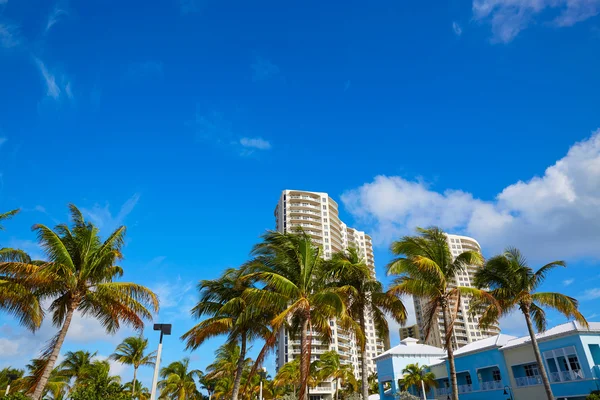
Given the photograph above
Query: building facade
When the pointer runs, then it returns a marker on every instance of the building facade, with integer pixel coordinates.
(466, 326)
(504, 367)
(317, 214)
(410, 332)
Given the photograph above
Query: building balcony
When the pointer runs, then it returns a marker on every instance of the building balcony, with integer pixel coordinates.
(491, 385)
(566, 376)
(465, 388)
(528, 381)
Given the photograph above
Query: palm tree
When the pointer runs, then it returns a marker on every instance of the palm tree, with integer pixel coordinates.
(373, 383)
(417, 376)
(58, 382)
(97, 374)
(10, 376)
(80, 276)
(132, 352)
(293, 279)
(288, 374)
(228, 314)
(179, 382)
(365, 298)
(427, 269)
(7, 215)
(137, 390)
(330, 367)
(76, 363)
(512, 284)
(227, 360)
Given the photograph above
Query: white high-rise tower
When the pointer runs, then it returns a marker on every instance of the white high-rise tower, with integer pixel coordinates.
(317, 214)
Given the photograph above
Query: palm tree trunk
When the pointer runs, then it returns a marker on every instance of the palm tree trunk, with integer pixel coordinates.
(304, 360)
(134, 379)
(453, 381)
(538, 355)
(240, 368)
(363, 362)
(39, 389)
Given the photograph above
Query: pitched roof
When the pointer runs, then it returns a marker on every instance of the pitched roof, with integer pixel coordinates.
(563, 329)
(484, 344)
(410, 346)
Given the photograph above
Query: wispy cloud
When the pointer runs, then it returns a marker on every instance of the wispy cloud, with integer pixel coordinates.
(263, 69)
(102, 217)
(55, 16)
(509, 17)
(591, 294)
(52, 87)
(9, 35)
(568, 282)
(347, 85)
(255, 143)
(2, 141)
(456, 28)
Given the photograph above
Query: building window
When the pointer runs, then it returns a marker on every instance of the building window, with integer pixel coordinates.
(325, 219)
(324, 207)
(468, 379)
(496, 375)
(325, 213)
(531, 370)
(323, 199)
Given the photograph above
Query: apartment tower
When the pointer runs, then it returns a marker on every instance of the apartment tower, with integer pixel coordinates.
(317, 214)
(466, 326)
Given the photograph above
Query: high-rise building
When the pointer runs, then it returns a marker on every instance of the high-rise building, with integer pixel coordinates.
(410, 332)
(466, 326)
(317, 214)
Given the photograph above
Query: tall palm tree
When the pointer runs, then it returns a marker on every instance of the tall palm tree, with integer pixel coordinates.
(330, 367)
(426, 269)
(293, 279)
(132, 352)
(179, 381)
(7, 215)
(365, 299)
(58, 382)
(76, 363)
(228, 314)
(417, 376)
(227, 360)
(288, 375)
(18, 295)
(80, 276)
(512, 285)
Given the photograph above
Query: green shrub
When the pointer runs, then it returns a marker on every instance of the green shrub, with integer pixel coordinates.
(15, 396)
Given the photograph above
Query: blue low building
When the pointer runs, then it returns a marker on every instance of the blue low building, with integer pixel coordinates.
(503, 367)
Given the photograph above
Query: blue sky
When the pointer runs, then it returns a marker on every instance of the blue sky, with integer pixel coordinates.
(185, 119)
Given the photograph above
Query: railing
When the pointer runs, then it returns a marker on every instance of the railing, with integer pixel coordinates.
(573, 375)
(491, 385)
(465, 388)
(529, 380)
(554, 376)
(443, 391)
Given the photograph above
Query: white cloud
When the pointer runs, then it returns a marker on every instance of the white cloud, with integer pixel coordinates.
(173, 294)
(514, 324)
(509, 17)
(568, 282)
(52, 88)
(55, 16)
(263, 69)
(255, 143)
(411, 320)
(116, 368)
(556, 215)
(591, 294)
(9, 35)
(103, 218)
(456, 28)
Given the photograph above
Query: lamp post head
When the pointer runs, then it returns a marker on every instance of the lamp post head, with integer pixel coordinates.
(12, 376)
(165, 329)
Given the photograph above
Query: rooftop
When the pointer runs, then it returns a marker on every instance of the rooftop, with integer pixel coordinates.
(484, 344)
(559, 330)
(410, 346)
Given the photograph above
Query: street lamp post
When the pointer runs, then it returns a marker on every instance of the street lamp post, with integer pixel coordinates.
(263, 375)
(508, 392)
(165, 329)
(11, 377)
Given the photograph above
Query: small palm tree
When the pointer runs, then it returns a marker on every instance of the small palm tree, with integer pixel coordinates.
(179, 381)
(80, 276)
(58, 382)
(373, 383)
(417, 376)
(288, 375)
(512, 285)
(365, 299)
(227, 360)
(427, 269)
(228, 314)
(10, 376)
(293, 278)
(76, 363)
(97, 374)
(136, 391)
(7, 215)
(132, 351)
(330, 367)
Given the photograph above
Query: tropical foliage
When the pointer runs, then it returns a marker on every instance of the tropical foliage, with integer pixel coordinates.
(511, 284)
(179, 381)
(132, 351)
(416, 376)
